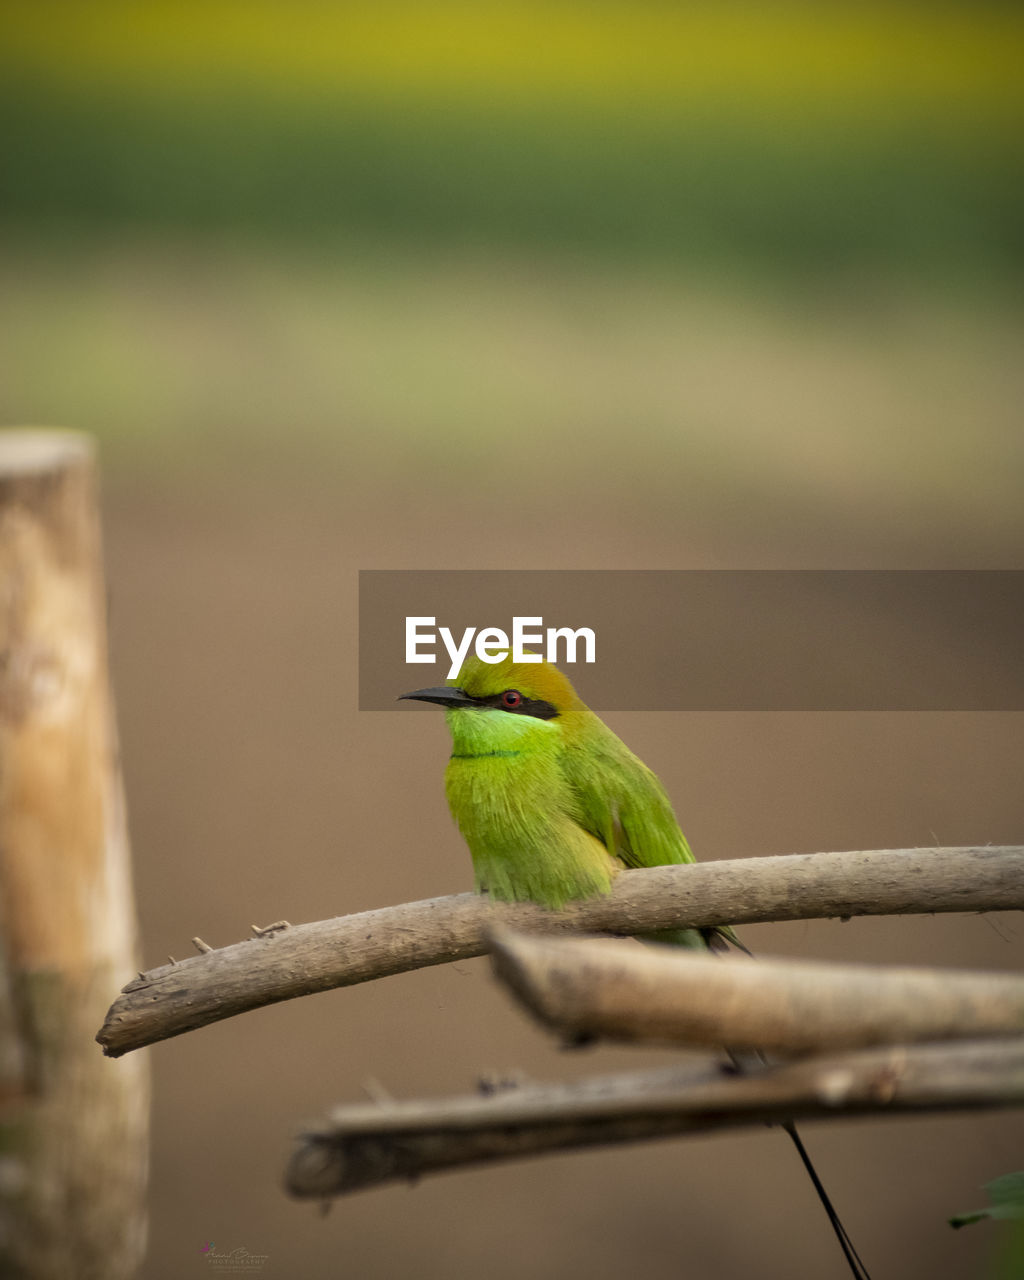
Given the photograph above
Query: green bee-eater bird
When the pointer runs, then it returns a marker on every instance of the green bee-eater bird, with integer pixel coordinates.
(553, 804)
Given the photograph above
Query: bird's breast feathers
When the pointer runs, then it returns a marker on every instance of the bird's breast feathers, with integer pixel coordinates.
(508, 792)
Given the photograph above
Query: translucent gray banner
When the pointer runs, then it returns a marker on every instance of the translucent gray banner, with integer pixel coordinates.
(715, 640)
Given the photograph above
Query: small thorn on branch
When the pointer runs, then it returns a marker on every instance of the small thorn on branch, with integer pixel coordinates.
(201, 946)
(499, 1082)
(376, 1092)
(264, 931)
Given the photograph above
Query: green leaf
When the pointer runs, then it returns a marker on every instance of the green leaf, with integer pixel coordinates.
(1008, 1190)
(1007, 1201)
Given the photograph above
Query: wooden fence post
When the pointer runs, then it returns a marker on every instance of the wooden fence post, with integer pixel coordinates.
(73, 1124)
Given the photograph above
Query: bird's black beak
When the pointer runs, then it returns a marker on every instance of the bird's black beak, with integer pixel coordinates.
(445, 696)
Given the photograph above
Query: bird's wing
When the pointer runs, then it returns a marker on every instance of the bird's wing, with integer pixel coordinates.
(623, 804)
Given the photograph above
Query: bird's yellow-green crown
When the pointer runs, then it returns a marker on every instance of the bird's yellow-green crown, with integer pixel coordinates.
(533, 679)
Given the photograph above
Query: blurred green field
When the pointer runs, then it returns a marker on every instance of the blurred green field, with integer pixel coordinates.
(781, 137)
(767, 259)
(797, 201)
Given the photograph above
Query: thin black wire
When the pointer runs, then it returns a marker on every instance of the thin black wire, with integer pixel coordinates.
(857, 1267)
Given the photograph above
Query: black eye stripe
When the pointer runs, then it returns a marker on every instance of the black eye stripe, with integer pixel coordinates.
(536, 707)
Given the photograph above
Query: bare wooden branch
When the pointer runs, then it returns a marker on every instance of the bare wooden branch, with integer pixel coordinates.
(363, 1146)
(619, 990)
(303, 959)
(74, 1128)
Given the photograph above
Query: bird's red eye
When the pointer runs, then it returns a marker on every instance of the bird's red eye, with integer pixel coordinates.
(511, 698)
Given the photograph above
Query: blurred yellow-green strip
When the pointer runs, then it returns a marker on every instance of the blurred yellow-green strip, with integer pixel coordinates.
(954, 60)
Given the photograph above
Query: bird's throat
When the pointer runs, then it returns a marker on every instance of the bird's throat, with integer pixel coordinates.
(488, 732)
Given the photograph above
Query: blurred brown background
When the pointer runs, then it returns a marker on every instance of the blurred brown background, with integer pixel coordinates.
(342, 287)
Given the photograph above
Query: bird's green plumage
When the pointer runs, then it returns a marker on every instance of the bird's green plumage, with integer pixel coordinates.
(551, 808)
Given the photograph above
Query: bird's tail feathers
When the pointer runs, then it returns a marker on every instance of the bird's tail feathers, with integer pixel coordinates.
(745, 1062)
(857, 1268)
(720, 937)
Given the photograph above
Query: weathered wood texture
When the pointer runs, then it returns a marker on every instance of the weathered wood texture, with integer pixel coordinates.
(616, 989)
(73, 1126)
(302, 959)
(363, 1146)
